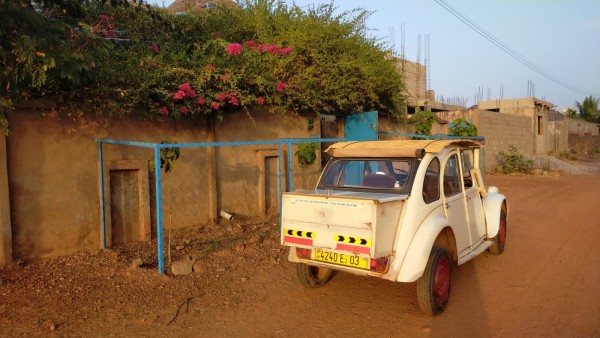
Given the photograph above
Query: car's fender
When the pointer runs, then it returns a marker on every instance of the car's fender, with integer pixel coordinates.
(492, 205)
(420, 247)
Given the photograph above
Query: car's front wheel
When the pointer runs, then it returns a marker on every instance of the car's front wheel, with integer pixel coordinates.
(313, 276)
(433, 288)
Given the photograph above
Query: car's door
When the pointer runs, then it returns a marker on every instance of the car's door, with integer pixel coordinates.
(454, 202)
(474, 205)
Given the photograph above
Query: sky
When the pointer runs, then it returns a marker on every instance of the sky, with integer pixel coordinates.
(561, 38)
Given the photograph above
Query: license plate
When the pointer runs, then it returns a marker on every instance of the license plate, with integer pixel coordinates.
(341, 259)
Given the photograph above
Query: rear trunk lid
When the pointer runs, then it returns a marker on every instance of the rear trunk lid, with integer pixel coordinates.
(353, 223)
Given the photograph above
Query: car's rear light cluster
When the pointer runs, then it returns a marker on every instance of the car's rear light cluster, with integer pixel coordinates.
(303, 253)
(379, 264)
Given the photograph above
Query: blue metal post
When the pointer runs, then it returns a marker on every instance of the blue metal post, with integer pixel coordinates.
(280, 182)
(102, 210)
(159, 222)
(290, 167)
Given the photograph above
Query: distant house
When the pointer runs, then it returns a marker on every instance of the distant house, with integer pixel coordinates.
(538, 112)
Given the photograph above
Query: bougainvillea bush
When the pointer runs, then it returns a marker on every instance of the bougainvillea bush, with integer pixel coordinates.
(122, 58)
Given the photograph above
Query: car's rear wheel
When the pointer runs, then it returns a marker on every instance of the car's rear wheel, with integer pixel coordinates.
(313, 276)
(500, 239)
(433, 288)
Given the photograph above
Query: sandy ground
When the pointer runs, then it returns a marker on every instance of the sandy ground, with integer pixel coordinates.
(546, 283)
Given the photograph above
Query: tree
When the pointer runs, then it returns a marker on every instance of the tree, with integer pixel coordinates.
(123, 58)
(588, 110)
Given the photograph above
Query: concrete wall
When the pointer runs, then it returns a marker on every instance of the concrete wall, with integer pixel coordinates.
(580, 127)
(500, 131)
(414, 75)
(557, 136)
(53, 175)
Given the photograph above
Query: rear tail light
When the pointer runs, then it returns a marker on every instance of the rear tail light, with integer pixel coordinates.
(379, 264)
(303, 253)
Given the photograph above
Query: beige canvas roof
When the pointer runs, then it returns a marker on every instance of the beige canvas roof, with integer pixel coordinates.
(394, 148)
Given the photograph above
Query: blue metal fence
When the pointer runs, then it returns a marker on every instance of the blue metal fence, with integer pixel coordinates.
(157, 172)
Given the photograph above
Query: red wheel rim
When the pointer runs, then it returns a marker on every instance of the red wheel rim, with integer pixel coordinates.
(441, 287)
(502, 231)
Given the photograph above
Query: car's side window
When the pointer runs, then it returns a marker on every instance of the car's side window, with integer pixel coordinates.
(451, 177)
(431, 183)
(466, 157)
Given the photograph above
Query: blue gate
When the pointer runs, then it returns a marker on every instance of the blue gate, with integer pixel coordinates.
(361, 126)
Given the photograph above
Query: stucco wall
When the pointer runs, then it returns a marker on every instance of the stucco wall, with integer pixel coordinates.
(5, 225)
(239, 167)
(53, 173)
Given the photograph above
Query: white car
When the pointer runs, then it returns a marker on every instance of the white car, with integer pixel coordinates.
(404, 211)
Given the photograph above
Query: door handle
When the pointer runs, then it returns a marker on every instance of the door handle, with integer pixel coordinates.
(447, 205)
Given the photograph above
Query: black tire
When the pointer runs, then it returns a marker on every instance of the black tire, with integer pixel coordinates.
(433, 288)
(500, 239)
(313, 276)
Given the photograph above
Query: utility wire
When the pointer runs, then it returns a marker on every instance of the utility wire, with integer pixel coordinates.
(507, 49)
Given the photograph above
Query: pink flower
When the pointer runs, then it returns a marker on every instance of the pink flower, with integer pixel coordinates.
(271, 49)
(234, 101)
(251, 44)
(185, 87)
(164, 111)
(156, 104)
(104, 18)
(260, 47)
(215, 105)
(179, 95)
(260, 100)
(221, 96)
(285, 51)
(201, 101)
(234, 49)
(184, 109)
(281, 86)
(154, 48)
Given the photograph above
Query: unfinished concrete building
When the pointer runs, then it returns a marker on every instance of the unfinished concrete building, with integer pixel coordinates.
(419, 97)
(538, 113)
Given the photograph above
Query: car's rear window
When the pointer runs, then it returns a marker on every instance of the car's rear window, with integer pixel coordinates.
(372, 173)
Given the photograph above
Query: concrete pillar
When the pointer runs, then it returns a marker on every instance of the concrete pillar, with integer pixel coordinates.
(5, 227)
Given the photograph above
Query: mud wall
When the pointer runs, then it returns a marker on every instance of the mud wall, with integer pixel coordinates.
(53, 176)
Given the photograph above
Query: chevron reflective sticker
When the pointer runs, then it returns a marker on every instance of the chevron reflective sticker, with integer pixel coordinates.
(300, 233)
(353, 240)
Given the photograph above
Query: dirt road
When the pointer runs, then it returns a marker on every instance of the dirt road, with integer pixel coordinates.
(546, 283)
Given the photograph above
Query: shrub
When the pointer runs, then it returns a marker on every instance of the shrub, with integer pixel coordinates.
(513, 161)
(569, 155)
(423, 122)
(306, 154)
(462, 127)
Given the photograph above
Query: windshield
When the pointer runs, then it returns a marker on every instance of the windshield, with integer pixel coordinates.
(394, 175)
